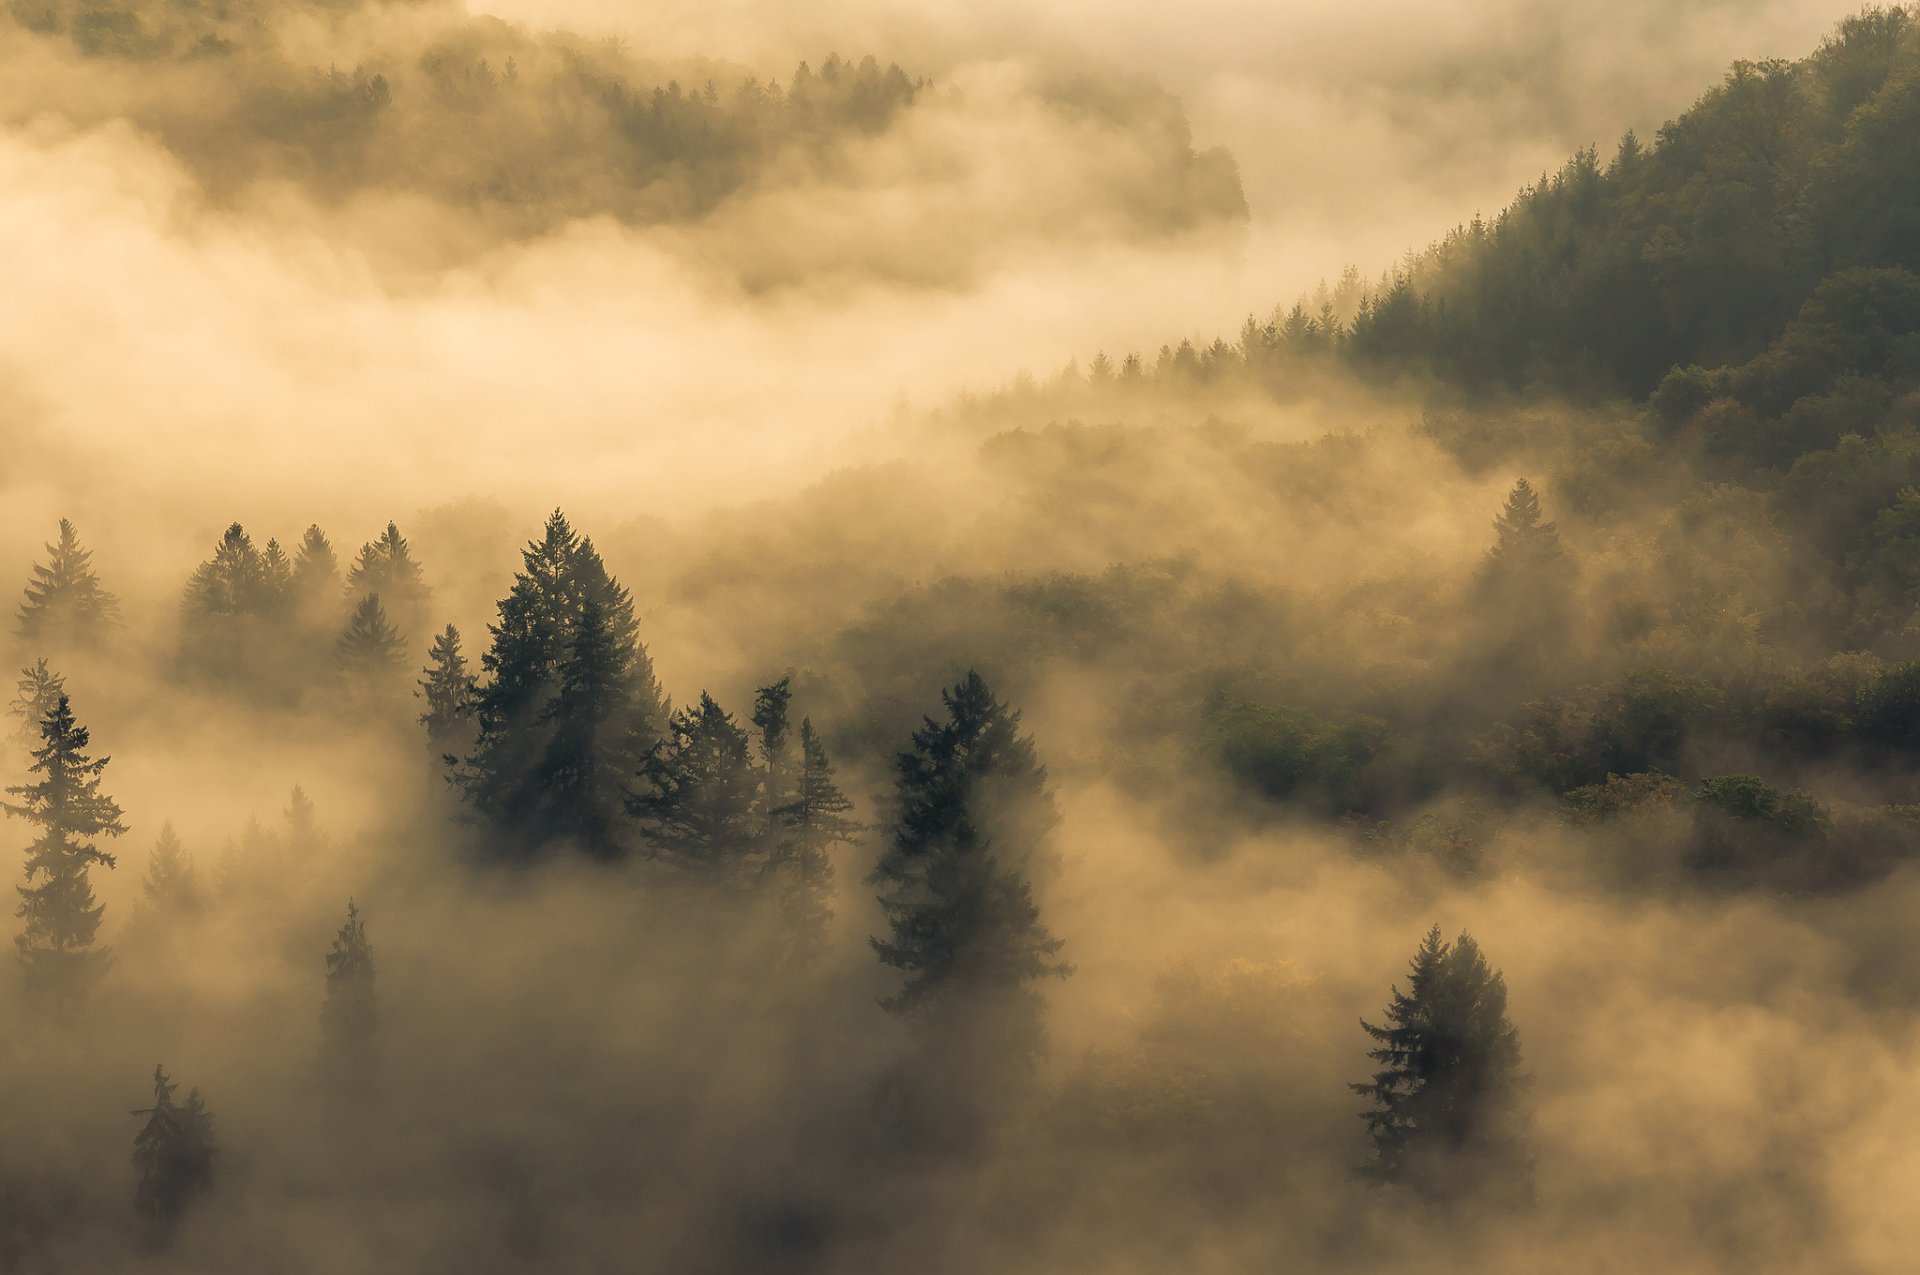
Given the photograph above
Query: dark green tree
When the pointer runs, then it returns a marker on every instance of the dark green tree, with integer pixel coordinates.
(770, 718)
(64, 600)
(807, 826)
(699, 802)
(57, 903)
(971, 814)
(566, 643)
(1446, 1114)
(448, 689)
(370, 651)
(350, 1017)
(172, 1155)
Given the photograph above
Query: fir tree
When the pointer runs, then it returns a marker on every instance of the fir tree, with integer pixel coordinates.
(64, 601)
(386, 567)
(316, 575)
(770, 718)
(35, 694)
(172, 1155)
(306, 840)
(566, 632)
(350, 1018)
(1524, 540)
(226, 598)
(370, 651)
(806, 828)
(1445, 1112)
(971, 813)
(57, 902)
(276, 582)
(449, 692)
(172, 883)
(700, 804)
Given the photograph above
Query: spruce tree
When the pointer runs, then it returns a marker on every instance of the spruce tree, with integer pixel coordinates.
(1524, 540)
(448, 690)
(57, 903)
(35, 694)
(699, 805)
(172, 1155)
(276, 582)
(566, 632)
(370, 652)
(226, 598)
(386, 567)
(1445, 1114)
(316, 575)
(770, 718)
(64, 601)
(806, 828)
(350, 1017)
(172, 883)
(971, 813)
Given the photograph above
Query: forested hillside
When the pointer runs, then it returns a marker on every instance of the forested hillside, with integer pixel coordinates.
(1431, 783)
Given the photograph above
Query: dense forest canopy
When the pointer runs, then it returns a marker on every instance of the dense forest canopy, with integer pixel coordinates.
(1427, 780)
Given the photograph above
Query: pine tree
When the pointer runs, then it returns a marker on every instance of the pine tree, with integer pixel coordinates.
(386, 567)
(172, 883)
(700, 804)
(57, 902)
(35, 694)
(64, 601)
(316, 575)
(1445, 1113)
(1524, 540)
(226, 597)
(306, 840)
(807, 827)
(770, 718)
(449, 692)
(276, 582)
(172, 1155)
(971, 813)
(370, 651)
(566, 632)
(350, 1018)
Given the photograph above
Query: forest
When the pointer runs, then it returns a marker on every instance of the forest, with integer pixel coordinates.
(583, 699)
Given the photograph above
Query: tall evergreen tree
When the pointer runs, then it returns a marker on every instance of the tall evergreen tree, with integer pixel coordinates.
(34, 695)
(57, 903)
(276, 582)
(386, 567)
(370, 651)
(699, 805)
(1524, 540)
(316, 575)
(770, 718)
(227, 597)
(566, 634)
(64, 601)
(350, 1018)
(1445, 1112)
(172, 1155)
(971, 813)
(449, 693)
(172, 883)
(806, 828)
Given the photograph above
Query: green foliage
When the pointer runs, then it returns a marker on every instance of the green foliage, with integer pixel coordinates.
(1445, 1115)
(57, 903)
(1289, 754)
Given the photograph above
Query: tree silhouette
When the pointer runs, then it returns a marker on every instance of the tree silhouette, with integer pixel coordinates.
(350, 1018)
(448, 690)
(65, 602)
(371, 651)
(385, 567)
(1445, 1115)
(172, 1155)
(806, 828)
(57, 903)
(699, 805)
(172, 884)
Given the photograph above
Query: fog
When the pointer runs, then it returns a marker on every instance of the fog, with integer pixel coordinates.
(797, 371)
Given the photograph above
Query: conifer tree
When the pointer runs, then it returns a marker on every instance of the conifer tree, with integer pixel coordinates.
(971, 813)
(699, 806)
(172, 883)
(226, 598)
(57, 903)
(350, 1018)
(1445, 1113)
(316, 574)
(306, 840)
(449, 693)
(770, 718)
(65, 602)
(276, 582)
(172, 1155)
(386, 567)
(807, 827)
(35, 694)
(566, 633)
(1524, 541)
(370, 651)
